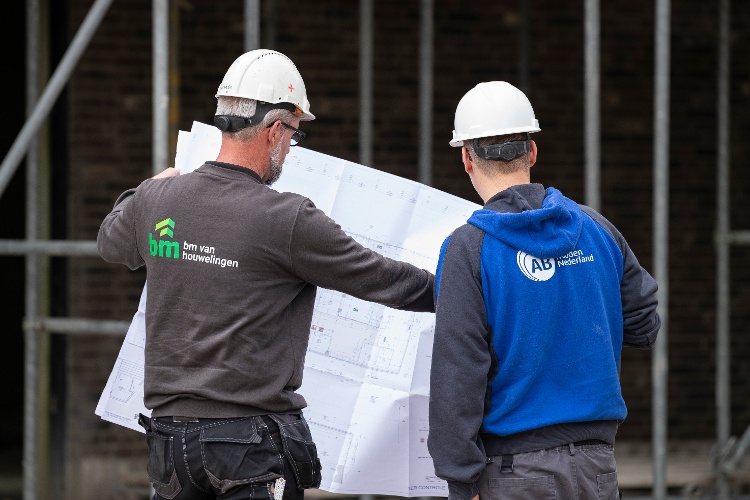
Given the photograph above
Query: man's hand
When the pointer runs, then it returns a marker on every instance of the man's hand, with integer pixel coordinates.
(476, 497)
(167, 172)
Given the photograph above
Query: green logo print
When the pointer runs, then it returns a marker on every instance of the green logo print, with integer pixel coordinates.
(164, 248)
(166, 227)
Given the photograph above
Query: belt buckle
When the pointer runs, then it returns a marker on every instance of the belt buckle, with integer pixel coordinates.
(184, 419)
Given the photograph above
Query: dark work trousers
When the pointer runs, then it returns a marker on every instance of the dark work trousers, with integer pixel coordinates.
(578, 471)
(222, 459)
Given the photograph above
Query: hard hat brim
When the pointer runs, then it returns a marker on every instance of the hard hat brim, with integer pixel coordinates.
(457, 142)
(304, 116)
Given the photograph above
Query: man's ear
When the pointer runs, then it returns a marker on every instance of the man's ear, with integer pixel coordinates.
(274, 133)
(466, 158)
(532, 153)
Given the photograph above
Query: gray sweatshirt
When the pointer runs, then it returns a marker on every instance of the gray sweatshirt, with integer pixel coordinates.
(232, 269)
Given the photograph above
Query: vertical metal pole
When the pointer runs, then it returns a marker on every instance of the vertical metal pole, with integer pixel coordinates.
(252, 25)
(269, 14)
(31, 336)
(160, 51)
(660, 360)
(160, 91)
(173, 78)
(33, 69)
(365, 81)
(425, 91)
(523, 47)
(592, 105)
(723, 360)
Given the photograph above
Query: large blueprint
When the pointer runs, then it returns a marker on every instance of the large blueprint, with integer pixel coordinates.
(366, 378)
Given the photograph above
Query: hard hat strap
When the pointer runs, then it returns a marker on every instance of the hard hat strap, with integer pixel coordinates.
(506, 151)
(227, 123)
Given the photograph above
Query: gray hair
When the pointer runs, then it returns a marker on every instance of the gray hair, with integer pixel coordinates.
(245, 108)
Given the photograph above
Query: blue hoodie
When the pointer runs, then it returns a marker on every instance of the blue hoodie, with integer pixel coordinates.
(536, 297)
(557, 328)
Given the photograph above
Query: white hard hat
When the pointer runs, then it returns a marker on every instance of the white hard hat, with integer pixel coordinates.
(269, 76)
(490, 109)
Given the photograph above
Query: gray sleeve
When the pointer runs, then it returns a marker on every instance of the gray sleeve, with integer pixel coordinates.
(461, 362)
(638, 290)
(116, 240)
(324, 255)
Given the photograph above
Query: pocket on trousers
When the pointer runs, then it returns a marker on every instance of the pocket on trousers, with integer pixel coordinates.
(512, 488)
(299, 449)
(161, 471)
(234, 454)
(607, 485)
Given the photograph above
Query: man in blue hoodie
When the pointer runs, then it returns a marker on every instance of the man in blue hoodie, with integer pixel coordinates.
(536, 295)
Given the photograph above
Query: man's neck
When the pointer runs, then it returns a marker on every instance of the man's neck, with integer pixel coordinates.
(248, 155)
(489, 187)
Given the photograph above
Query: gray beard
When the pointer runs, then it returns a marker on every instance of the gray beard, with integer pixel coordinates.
(276, 165)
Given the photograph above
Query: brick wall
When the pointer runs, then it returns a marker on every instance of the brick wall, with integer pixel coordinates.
(110, 150)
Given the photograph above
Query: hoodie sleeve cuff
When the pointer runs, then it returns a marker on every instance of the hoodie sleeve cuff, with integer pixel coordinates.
(462, 491)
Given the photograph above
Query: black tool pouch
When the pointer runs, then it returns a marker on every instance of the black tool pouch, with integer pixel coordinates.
(160, 467)
(299, 449)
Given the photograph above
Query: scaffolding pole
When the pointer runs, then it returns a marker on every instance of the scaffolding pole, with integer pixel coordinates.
(523, 47)
(660, 359)
(269, 25)
(160, 90)
(366, 38)
(592, 142)
(723, 396)
(79, 326)
(33, 462)
(425, 90)
(252, 25)
(64, 248)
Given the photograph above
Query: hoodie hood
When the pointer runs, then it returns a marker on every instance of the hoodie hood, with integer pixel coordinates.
(550, 231)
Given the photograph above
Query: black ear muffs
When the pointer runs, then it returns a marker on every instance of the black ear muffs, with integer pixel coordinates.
(506, 151)
(228, 123)
(221, 122)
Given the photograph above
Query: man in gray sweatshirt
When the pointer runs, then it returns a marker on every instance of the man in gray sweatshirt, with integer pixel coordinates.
(233, 267)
